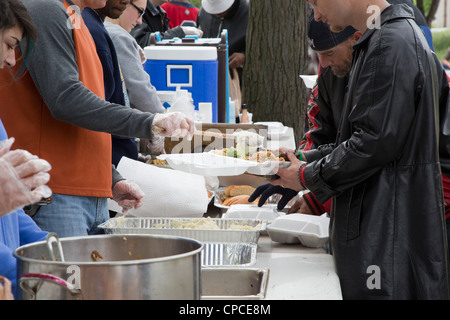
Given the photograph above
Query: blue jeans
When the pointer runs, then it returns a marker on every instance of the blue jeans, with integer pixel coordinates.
(70, 216)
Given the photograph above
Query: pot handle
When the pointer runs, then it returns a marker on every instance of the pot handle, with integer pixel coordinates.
(40, 278)
(53, 238)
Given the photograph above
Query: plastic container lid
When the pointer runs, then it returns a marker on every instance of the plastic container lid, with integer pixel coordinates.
(180, 53)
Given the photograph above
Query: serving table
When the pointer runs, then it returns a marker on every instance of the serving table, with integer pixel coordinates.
(297, 272)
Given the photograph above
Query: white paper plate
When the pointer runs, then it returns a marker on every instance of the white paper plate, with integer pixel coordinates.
(207, 164)
(310, 231)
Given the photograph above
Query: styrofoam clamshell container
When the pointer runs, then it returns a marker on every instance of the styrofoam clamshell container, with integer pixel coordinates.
(309, 230)
(207, 164)
(252, 211)
(268, 167)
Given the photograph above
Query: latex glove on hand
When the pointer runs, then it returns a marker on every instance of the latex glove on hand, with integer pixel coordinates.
(128, 195)
(173, 124)
(156, 144)
(266, 190)
(192, 31)
(23, 178)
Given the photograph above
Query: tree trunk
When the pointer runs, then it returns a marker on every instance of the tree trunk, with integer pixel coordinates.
(429, 16)
(432, 12)
(277, 54)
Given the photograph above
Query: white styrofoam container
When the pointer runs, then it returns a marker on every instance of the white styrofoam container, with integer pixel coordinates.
(268, 168)
(207, 164)
(309, 230)
(252, 211)
(275, 129)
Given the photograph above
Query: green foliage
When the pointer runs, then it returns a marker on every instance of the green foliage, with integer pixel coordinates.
(197, 3)
(441, 42)
(426, 4)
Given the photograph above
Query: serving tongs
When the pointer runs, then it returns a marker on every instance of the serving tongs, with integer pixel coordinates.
(52, 241)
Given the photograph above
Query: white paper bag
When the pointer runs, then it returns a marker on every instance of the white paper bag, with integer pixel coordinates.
(168, 193)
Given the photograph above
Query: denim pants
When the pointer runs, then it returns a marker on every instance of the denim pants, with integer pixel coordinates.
(69, 216)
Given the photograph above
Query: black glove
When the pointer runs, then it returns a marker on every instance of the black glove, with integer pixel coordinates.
(268, 189)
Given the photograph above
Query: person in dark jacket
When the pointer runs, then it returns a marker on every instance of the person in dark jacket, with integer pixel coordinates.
(216, 15)
(326, 100)
(325, 105)
(155, 19)
(115, 91)
(387, 230)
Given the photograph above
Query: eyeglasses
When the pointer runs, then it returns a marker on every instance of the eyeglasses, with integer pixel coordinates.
(141, 12)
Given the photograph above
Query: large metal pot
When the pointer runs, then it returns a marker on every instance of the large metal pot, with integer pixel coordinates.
(109, 267)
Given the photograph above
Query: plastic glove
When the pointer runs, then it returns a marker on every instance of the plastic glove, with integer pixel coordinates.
(192, 31)
(267, 190)
(173, 124)
(156, 144)
(128, 195)
(23, 178)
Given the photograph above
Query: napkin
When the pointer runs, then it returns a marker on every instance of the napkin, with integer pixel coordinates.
(168, 193)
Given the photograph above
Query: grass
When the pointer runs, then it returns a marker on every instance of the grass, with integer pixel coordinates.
(441, 42)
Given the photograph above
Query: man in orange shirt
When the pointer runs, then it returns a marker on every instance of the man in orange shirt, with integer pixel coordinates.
(58, 112)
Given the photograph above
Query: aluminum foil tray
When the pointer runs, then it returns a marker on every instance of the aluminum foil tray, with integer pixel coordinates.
(234, 283)
(169, 226)
(232, 254)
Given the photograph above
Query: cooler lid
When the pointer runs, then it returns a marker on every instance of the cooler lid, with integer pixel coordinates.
(182, 53)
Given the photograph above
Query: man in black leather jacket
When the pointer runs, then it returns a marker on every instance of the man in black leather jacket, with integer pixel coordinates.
(387, 231)
(327, 99)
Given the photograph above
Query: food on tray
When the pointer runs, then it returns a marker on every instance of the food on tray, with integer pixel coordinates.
(204, 224)
(256, 156)
(263, 156)
(228, 152)
(158, 162)
(235, 226)
(237, 194)
(235, 190)
(247, 142)
(241, 199)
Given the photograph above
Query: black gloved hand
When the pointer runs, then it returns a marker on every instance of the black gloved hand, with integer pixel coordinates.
(268, 189)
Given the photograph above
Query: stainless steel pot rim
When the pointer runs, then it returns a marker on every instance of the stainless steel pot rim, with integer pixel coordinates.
(111, 263)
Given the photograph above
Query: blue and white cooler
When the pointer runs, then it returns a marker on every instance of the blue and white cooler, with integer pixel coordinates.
(192, 68)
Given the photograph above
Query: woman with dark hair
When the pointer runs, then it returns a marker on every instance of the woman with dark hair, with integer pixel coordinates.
(23, 176)
(15, 24)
